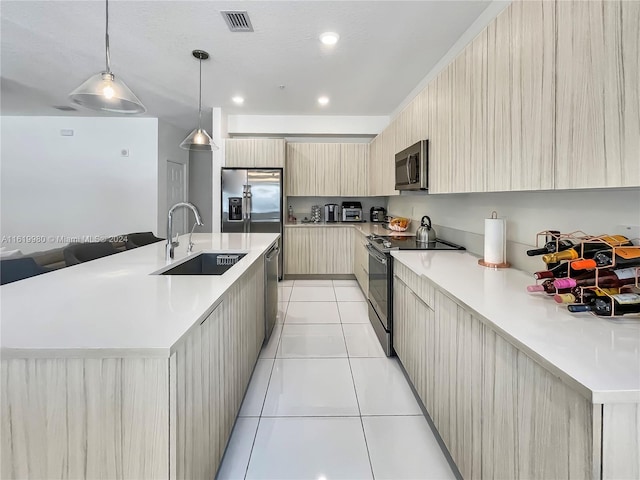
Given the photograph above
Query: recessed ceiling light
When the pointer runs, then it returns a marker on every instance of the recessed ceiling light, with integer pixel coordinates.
(329, 38)
(238, 100)
(323, 100)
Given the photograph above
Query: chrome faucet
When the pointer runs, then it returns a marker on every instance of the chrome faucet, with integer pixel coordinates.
(171, 243)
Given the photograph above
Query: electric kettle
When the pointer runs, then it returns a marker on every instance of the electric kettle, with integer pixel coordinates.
(425, 232)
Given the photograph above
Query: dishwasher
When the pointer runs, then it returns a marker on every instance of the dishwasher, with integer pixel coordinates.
(270, 290)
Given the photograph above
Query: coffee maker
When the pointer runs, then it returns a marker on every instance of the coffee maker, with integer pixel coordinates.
(332, 212)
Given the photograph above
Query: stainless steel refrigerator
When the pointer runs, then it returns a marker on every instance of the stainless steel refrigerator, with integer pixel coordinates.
(252, 202)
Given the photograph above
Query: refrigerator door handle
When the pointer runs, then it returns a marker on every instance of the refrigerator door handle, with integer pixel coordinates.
(244, 202)
(248, 194)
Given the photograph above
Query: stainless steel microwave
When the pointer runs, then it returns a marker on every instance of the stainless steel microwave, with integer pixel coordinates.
(412, 167)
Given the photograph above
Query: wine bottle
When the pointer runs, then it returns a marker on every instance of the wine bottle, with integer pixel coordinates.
(624, 257)
(587, 249)
(606, 279)
(559, 271)
(577, 295)
(551, 247)
(620, 304)
(546, 287)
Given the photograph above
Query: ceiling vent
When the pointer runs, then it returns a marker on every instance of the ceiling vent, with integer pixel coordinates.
(237, 21)
(65, 108)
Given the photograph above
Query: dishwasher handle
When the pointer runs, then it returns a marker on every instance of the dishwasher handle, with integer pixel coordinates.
(273, 253)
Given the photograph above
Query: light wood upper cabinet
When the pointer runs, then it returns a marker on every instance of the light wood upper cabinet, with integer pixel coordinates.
(354, 169)
(327, 169)
(598, 94)
(440, 159)
(328, 160)
(301, 170)
(255, 152)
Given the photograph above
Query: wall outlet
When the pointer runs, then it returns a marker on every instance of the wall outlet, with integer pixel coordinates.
(632, 232)
(66, 132)
(124, 152)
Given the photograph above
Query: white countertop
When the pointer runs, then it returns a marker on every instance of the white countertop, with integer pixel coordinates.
(601, 355)
(365, 228)
(116, 303)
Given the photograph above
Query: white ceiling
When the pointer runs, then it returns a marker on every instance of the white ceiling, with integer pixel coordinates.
(385, 50)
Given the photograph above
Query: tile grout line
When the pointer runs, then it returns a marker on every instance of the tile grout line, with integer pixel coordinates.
(355, 391)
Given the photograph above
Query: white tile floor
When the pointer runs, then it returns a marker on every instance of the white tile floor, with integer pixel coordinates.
(325, 403)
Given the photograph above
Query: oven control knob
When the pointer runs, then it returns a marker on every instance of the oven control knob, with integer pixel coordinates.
(386, 244)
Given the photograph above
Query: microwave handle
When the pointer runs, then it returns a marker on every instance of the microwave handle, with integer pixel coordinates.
(408, 166)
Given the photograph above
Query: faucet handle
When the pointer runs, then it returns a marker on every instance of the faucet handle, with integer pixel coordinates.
(175, 241)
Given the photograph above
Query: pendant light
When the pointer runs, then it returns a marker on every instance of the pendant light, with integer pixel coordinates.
(199, 139)
(103, 91)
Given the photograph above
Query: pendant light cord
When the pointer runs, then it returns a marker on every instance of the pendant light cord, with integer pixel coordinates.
(106, 37)
(200, 99)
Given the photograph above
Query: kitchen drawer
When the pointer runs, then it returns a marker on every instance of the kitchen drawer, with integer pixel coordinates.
(422, 287)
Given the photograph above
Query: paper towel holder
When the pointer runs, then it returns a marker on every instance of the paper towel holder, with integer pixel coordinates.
(481, 262)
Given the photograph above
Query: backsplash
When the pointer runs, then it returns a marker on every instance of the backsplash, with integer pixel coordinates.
(302, 205)
(460, 217)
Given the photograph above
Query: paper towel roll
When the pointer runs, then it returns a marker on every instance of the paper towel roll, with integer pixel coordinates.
(495, 240)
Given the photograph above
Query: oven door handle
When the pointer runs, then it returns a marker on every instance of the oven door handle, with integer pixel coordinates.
(374, 253)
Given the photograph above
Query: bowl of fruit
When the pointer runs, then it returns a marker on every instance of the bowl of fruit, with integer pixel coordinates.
(399, 224)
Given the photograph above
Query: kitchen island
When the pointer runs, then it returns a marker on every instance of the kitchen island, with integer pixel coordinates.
(516, 386)
(110, 370)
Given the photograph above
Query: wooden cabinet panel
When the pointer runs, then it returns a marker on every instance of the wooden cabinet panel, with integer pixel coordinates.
(318, 250)
(598, 94)
(361, 261)
(85, 418)
(375, 155)
(301, 170)
(621, 441)
(521, 97)
(388, 161)
(255, 152)
(211, 369)
(354, 169)
(327, 163)
(440, 160)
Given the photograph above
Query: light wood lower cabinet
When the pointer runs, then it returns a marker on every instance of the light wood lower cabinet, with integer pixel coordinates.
(211, 368)
(135, 418)
(318, 250)
(361, 261)
(500, 414)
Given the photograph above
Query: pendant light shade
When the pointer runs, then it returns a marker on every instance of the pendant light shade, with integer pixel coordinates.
(199, 140)
(103, 91)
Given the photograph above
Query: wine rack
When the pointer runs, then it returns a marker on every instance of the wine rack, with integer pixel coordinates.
(581, 239)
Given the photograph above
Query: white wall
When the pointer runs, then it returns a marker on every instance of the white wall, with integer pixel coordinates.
(169, 140)
(80, 185)
(460, 217)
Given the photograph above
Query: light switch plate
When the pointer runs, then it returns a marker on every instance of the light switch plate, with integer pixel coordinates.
(124, 152)
(66, 132)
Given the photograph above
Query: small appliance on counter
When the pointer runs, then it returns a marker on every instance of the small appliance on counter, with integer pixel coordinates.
(352, 211)
(377, 214)
(331, 213)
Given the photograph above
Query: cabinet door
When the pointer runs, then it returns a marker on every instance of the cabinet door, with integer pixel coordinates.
(440, 160)
(354, 169)
(333, 250)
(327, 160)
(598, 94)
(299, 251)
(301, 170)
(374, 167)
(521, 97)
(255, 152)
(361, 261)
(388, 161)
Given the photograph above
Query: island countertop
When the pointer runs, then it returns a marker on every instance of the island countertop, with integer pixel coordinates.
(601, 355)
(116, 302)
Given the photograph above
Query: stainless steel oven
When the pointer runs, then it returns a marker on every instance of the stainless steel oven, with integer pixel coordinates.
(381, 279)
(381, 296)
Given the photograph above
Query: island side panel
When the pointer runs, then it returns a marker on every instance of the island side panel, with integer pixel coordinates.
(85, 418)
(621, 441)
(210, 374)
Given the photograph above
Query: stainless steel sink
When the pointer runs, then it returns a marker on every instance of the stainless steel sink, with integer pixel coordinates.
(206, 264)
